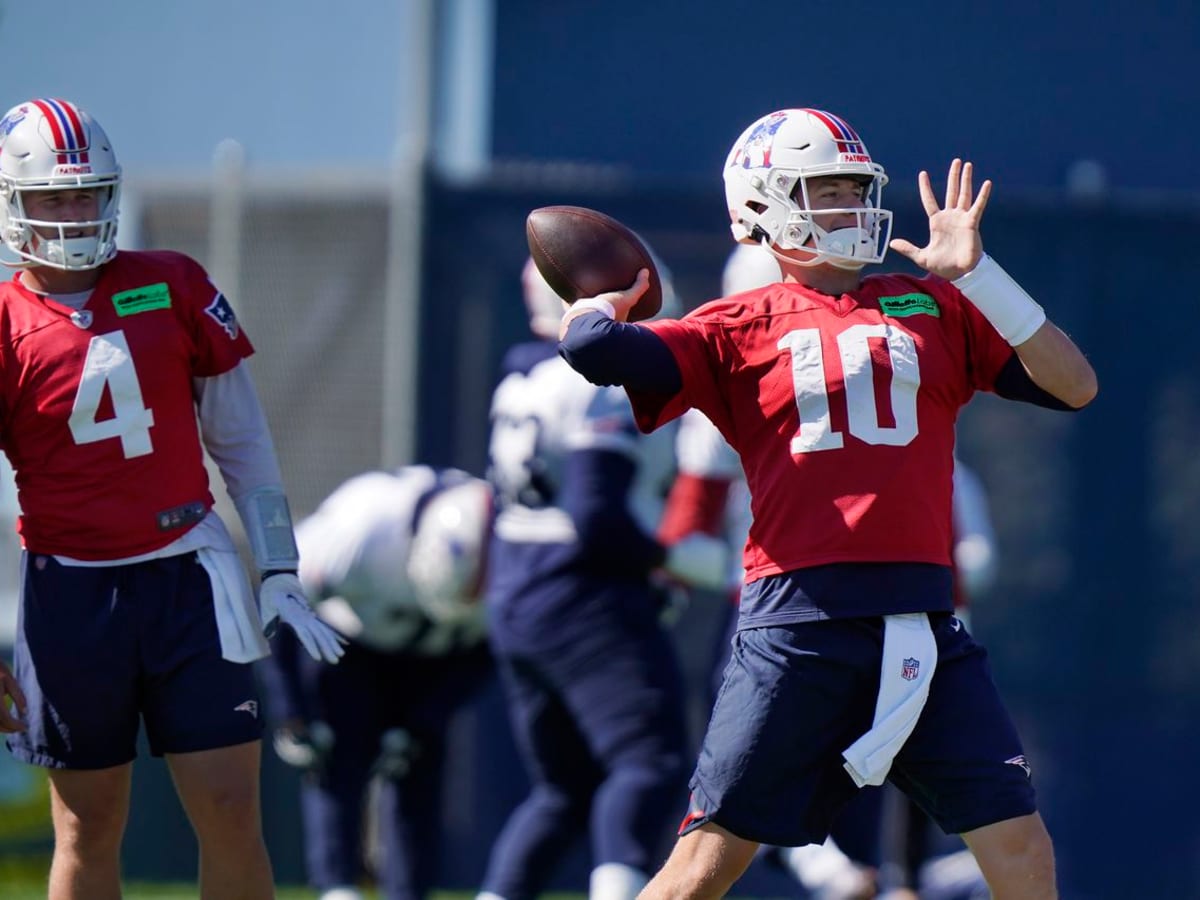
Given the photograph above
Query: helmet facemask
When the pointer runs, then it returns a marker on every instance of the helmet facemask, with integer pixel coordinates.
(45, 243)
(848, 247)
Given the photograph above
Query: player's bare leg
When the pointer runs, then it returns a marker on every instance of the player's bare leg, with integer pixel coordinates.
(1016, 857)
(219, 790)
(704, 863)
(89, 809)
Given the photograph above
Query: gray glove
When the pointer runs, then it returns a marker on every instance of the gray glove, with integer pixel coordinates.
(281, 596)
(305, 749)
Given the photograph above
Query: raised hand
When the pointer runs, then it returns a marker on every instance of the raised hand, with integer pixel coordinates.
(954, 246)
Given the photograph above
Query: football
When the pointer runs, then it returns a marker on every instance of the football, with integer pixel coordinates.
(582, 252)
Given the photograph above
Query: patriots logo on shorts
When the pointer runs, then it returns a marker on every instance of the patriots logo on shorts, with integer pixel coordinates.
(1022, 763)
(222, 313)
(909, 667)
(250, 706)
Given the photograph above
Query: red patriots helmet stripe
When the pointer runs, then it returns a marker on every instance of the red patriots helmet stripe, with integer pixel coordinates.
(70, 138)
(847, 138)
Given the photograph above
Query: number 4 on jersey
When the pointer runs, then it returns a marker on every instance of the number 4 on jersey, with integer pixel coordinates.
(109, 363)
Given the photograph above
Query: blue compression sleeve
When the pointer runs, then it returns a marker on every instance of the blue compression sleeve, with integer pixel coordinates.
(1014, 383)
(608, 352)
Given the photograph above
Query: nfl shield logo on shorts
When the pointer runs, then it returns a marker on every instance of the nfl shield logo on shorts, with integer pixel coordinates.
(909, 667)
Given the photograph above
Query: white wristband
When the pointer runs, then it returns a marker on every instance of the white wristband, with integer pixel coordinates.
(1002, 301)
(599, 305)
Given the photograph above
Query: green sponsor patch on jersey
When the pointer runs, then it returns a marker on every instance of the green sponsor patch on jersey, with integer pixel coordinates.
(152, 296)
(910, 305)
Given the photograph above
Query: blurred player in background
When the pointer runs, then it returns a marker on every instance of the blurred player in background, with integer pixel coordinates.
(595, 693)
(395, 561)
(840, 395)
(120, 370)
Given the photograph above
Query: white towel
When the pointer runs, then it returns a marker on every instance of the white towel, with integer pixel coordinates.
(238, 623)
(909, 661)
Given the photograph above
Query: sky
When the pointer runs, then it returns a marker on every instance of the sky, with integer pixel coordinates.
(169, 81)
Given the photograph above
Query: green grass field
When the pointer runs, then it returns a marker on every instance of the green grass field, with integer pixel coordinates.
(26, 880)
(37, 891)
(146, 892)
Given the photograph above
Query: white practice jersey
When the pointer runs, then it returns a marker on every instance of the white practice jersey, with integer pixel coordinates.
(704, 453)
(974, 536)
(538, 419)
(354, 553)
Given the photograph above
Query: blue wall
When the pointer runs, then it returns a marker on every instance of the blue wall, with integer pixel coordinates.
(1023, 88)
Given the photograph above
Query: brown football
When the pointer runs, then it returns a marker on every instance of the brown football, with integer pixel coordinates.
(581, 253)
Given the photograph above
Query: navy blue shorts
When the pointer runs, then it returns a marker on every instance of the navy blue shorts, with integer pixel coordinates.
(99, 649)
(795, 696)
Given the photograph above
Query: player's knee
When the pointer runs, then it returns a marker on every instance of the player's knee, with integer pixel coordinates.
(1017, 858)
(90, 834)
(661, 767)
(561, 801)
(227, 815)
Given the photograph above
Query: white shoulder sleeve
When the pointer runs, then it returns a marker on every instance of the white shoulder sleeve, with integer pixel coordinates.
(235, 433)
(702, 449)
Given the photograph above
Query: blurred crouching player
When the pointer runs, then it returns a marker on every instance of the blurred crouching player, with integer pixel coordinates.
(395, 561)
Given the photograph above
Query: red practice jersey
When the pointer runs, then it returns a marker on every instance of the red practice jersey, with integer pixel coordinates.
(97, 414)
(845, 406)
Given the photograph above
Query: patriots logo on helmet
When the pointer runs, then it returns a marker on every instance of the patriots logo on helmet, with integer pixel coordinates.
(14, 118)
(222, 313)
(756, 152)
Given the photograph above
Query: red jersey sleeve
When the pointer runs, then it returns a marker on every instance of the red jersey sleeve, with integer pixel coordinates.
(219, 342)
(697, 345)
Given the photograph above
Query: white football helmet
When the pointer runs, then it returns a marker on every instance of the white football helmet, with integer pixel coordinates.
(672, 304)
(749, 266)
(545, 307)
(767, 194)
(447, 560)
(55, 145)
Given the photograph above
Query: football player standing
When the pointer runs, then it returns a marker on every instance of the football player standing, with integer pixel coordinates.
(117, 371)
(840, 394)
